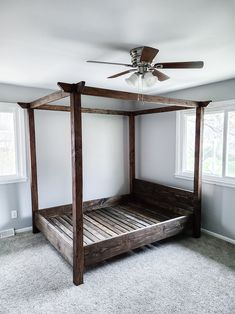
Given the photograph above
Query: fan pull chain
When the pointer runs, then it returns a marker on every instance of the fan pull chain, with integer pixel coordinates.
(142, 88)
(138, 98)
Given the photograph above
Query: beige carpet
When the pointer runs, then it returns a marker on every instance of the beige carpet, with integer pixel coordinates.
(180, 275)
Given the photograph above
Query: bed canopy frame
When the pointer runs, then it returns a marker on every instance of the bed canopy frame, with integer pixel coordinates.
(89, 232)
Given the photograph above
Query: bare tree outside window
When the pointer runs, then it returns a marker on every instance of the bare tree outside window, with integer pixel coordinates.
(230, 165)
(7, 144)
(218, 161)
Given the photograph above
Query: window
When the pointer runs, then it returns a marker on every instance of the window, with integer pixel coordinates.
(218, 143)
(12, 143)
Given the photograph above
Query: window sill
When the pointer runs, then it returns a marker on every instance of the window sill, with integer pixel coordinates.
(208, 180)
(11, 180)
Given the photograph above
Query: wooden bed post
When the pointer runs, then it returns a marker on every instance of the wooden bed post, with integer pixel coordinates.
(198, 171)
(131, 150)
(77, 211)
(33, 165)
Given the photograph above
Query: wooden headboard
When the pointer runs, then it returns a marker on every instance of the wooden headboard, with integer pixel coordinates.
(174, 199)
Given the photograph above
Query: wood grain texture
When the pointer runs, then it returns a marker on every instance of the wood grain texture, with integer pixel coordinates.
(159, 110)
(87, 205)
(47, 99)
(198, 171)
(77, 188)
(131, 151)
(84, 110)
(104, 202)
(58, 239)
(110, 231)
(167, 198)
(108, 93)
(106, 249)
(33, 166)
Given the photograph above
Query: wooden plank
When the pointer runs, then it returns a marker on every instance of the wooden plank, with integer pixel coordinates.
(95, 235)
(85, 110)
(159, 110)
(33, 166)
(47, 99)
(139, 222)
(54, 108)
(77, 187)
(87, 206)
(198, 171)
(99, 225)
(118, 222)
(104, 202)
(111, 247)
(100, 232)
(105, 222)
(135, 212)
(127, 219)
(168, 198)
(131, 151)
(56, 211)
(108, 93)
(59, 240)
(69, 223)
(151, 210)
(55, 221)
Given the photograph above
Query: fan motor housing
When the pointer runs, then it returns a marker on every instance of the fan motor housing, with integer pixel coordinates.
(135, 58)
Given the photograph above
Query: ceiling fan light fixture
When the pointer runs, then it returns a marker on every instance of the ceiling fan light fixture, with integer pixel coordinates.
(133, 80)
(149, 79)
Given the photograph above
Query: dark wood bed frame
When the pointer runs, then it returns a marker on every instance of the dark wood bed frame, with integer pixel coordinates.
(89, 232)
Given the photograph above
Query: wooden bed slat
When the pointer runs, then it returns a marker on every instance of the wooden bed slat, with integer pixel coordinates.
(137, 216)
(111, 230)
(118, 223)
(126, 218)
(108, 223)
(100, 226)
(134, 218)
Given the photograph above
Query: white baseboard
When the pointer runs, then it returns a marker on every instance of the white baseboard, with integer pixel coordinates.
(219, 236)
(22, 230)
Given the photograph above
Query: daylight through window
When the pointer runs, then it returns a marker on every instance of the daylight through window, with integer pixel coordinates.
(218, 143)
(12, 144)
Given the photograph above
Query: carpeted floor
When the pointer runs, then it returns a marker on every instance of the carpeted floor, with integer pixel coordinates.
(180, 275)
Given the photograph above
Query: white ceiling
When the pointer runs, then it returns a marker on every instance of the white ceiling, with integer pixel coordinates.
(42, 42)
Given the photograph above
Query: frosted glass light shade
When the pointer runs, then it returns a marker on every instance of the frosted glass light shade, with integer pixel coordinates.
(147, 80)
(132, 80)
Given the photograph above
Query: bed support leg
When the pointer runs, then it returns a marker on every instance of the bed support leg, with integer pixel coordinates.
(33, 165)
(198, 172)
(76, 141)
(131, 151)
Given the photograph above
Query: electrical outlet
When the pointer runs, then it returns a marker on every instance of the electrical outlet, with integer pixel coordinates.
(14, 214)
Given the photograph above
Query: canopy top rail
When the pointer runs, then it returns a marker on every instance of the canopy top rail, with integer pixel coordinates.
(67, 88)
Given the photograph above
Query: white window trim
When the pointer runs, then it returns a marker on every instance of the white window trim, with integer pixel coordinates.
(227, 181)
(20, 149)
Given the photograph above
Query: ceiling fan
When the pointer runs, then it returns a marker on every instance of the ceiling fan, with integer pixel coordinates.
(144, 68)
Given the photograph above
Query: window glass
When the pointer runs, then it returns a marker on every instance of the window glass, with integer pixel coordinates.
(213, 143)
(7, 144)
(188, 153)
(230, 167)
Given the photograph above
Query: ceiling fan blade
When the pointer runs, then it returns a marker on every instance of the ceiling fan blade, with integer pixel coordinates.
(180, 65)
(148, 54)
(114, 63)
(161, 76)
(122, 73)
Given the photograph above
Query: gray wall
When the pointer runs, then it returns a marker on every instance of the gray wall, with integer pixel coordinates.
(156, 158)
(105, 158)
